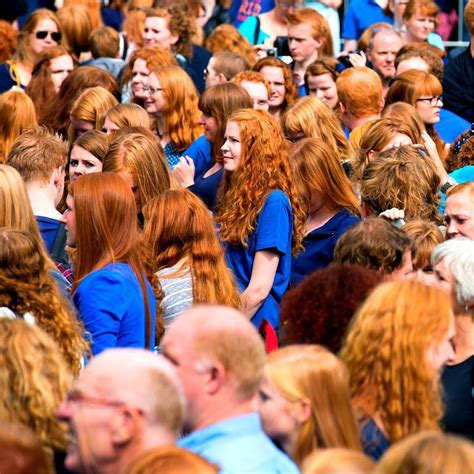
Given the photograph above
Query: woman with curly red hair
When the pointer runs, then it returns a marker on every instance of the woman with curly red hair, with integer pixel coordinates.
(398, 343)
(259, 216)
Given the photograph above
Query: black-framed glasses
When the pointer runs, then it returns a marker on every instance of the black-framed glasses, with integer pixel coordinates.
(433, 101)
(55, 35)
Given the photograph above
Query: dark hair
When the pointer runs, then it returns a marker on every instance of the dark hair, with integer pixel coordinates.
(319, 309)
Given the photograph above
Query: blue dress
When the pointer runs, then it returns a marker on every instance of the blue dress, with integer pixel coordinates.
(273, 233)
(111, 306)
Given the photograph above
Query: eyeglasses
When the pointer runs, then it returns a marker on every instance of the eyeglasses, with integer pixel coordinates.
(55, 35)
(151, 90)
(433, 101)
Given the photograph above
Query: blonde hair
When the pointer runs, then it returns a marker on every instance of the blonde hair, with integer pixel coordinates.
(386, 355)
(17, 113)
(128, 115)
(315, 119)
(337, 461)
(312, 373)
(430, 451)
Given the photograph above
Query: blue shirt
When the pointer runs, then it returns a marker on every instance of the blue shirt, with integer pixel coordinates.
(273, 233)
(319, 246)
(248, 30)
(200, 151)
(374, 442)
(241, 10)
(360, 15)
(111, 305)
(206, 187)
(450, 125)
(239, 445)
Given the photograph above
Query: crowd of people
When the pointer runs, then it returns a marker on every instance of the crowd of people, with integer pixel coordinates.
(236, 237)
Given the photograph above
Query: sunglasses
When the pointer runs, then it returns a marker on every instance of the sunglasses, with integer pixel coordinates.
(55, 36)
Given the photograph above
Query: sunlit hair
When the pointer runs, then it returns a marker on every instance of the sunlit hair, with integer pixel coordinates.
(317, 169)
(8, 40)
(315, 119)
(428, 451)
(104, 42)
(179, 23)
(386, 355)
(378, 136)
(407, 114)
(91, 107)
(17, 114)
(291, 89)
(421, 7)
(154, 58)
(227, 38)
(41, 88)
(252, 76)
(179, 230)
(336, 461)
(467, 188)
(92, 7)
(408, 87)
(77, 26)
(137, 151)
(134, 20)
(171, 460)
(26, 286)
(107, 230)
(35, 380)
(430, 54)
(93, 141)
(319, 27)
(24, 53)
(180, 112)
(56, 114)
(426, 236)
(312, 373)
(264, 166)
(401, 178)
(229, 64)
(22, 450)
(36, 154)
(360, 91)
(219, 102)
(128, 115)
(323, 65)
(364, 39)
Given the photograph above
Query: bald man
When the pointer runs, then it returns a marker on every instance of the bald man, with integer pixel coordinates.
(219, 358)
(125, 402)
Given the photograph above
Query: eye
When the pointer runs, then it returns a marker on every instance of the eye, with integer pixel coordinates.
(73, 163)
(88, 164)
(263, 396)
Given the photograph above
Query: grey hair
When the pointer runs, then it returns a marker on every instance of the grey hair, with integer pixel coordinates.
(458, 256)
(381, 29)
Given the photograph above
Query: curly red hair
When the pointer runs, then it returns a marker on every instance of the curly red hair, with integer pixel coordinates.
(264, 166)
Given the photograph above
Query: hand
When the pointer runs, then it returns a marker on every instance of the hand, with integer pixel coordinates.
(393, 214)
(358, 59)
(184, 172)
(430, 148)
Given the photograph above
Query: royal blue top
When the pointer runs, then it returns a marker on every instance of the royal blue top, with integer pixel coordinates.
(240, 10)
(6, 80)
(319, 246)
(360, 15)
(239, 445)
(200, 151)
(273, 233)
(111, 305)
(450, 125)
(374, 442)
(206, 187)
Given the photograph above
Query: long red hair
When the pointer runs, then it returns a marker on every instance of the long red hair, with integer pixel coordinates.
(106, 229)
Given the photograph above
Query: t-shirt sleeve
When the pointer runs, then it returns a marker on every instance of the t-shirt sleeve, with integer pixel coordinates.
(275, 224)
(200, 152)
(247, 29)
(101, 302)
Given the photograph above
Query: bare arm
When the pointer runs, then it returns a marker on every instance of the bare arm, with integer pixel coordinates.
(264, 268)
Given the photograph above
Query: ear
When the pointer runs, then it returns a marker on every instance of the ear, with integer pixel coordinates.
(302, 410)
(216, 378)
(221, 79)
(126, 426)
(319, 42)
(174, 38)
(368, 54)
(381, 104)
(342, 108)
(372, 155)
(58, 176)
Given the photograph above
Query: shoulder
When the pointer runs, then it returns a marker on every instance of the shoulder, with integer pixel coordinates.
(277, 197)
(112, 275)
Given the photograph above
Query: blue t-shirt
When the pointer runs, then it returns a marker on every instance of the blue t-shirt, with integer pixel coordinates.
(241, 10)
(319, 246)
(374, 442)
(200, 151)
(360, 15)
(6, 80)
(239, 445)
(248, 29)
(111, 305)
(450, 125)
(273, 233)
(206, 187)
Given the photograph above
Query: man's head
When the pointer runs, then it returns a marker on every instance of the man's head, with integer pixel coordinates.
(223, 66)
(360, 93)
(219, 357)
(257, 87)
(384, 44)
(377, 244)
(40, 158)
(422, 57)
(125, 401)
(104, 42)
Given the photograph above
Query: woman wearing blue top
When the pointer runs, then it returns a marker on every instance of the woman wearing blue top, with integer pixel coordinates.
(111, 293)
(202, 173)
(260, 219)
(330, 202)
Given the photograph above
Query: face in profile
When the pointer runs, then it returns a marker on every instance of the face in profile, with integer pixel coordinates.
(231, 149)
(69, 219)
(258, 93)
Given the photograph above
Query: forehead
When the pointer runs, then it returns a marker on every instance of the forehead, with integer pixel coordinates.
(300, 30)
(232, 128)
(178, 339)
(387, 40)
(413, 63)
(460, 203)
(153, 80)
(140, 65)
(78, 153)
(272, 73)
(157, 23)
(62, 61)
(255, 88)
(321, 80)
(46, 25)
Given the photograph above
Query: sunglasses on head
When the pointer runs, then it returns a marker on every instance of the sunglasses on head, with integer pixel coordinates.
(55, 36)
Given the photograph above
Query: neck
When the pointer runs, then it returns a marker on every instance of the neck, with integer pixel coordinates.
(409, 38)
(289, 444)
(301, 66)
(278, 16)
(464, 338)
(354, 122)
(319, 217)
(385, 86)
(275, 111)
(42, 200)
(160, 125)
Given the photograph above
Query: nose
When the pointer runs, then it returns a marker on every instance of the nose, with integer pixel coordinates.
(63, 218)
(452, 229)
(79, 169)
(224, 147)
(63, 412)
(451, 356)
(201, 120)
